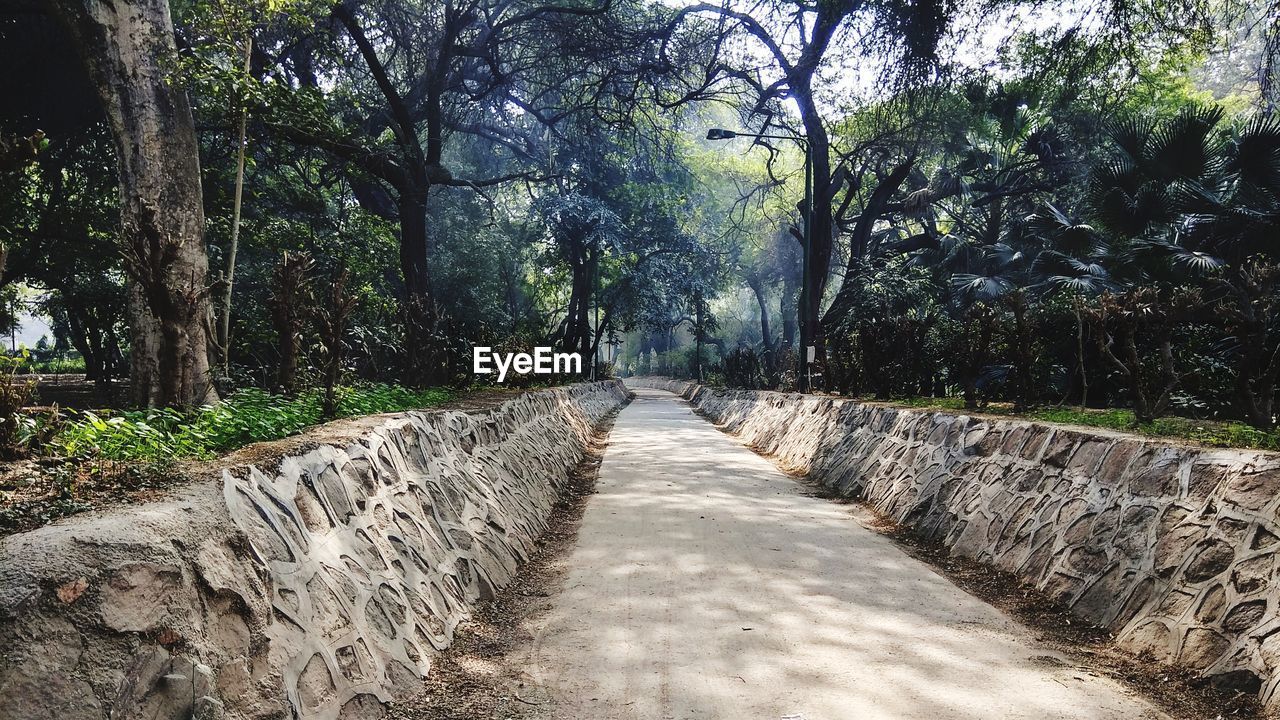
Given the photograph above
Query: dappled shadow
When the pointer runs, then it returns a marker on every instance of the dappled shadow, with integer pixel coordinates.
(706, 585)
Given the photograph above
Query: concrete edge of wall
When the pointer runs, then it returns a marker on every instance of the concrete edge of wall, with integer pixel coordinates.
(316, 590)
(1172, 547)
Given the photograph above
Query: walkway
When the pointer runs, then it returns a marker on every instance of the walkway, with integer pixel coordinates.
(706, 585)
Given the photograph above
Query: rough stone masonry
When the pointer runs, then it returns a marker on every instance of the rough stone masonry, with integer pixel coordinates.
(1172, 547)
(313, 589)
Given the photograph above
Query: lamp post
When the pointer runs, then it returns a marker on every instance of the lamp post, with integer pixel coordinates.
(802, 376)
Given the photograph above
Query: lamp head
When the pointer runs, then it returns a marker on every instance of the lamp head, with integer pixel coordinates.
(719, 134)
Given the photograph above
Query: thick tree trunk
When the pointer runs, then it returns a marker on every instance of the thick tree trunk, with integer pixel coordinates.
(128, 47)
(144, 349)
(577, 333)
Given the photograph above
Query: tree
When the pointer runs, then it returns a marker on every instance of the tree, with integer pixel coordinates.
(433, 72)
(62, 239)
(291, 303)
(797, 38)
(1074, 264)
(584, 229)
(1134, 332)
(1199, 208)
(129, 50)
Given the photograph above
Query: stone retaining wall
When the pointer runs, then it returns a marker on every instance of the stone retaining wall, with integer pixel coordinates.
(1172, 547)
(319, 587)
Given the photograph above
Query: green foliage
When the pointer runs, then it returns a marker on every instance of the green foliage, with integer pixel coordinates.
(1205, 432)
(15, 392)
(983, 202)
(146, 436)
(57, 365)
(1217, 434)
(248, 416)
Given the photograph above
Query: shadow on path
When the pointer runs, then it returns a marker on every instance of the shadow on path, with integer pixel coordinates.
(706, 584)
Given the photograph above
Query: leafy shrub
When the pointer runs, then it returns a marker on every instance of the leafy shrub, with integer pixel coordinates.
(57, 365)
(378, 398)
(15, 394)
(742, 368)
(245, 417)
(151, 435)
(253, 415)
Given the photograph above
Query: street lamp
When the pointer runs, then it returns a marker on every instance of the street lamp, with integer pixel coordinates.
(806, 335)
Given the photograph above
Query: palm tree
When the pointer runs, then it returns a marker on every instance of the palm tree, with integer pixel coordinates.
(1073, 263)
(1197, 206)
(1232, 223)
(1003, 277)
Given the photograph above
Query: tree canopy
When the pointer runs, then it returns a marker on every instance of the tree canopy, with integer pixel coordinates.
(1032, 203)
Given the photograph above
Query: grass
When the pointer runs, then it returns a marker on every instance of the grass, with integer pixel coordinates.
(1214, 433)
(54, 366)
(248, 416)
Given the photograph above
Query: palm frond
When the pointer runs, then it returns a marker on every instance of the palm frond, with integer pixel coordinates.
(1191, 262)
(1078, 285)
(969, 288)
(1061, 232)
(1130, 135)
(1255, 155)
(1003, 255)
(1183, 147)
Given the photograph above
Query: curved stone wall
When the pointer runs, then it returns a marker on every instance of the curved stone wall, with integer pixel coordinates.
(310, 589)
(1171, 546)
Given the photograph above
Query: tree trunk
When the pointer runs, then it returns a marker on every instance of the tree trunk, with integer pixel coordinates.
(1142, 410)
(821, 241)
(1077, 308)
(697, 336)
(1258, 357)
(128, 47)
(1023, 355)
(787, 309)
(577, 333)
(424, 360)
(589, 299)
(144, 348)
(766, 334)
(860, 240)
(229, 275)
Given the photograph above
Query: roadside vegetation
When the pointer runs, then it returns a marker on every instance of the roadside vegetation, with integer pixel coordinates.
(246, 417)
(75, 460)
(1213, 433)
(1071, 205)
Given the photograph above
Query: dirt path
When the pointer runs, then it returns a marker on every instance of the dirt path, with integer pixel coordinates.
(706, 584)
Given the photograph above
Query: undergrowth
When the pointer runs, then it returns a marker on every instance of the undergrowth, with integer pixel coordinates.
(247, 416)
(1215, 433)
